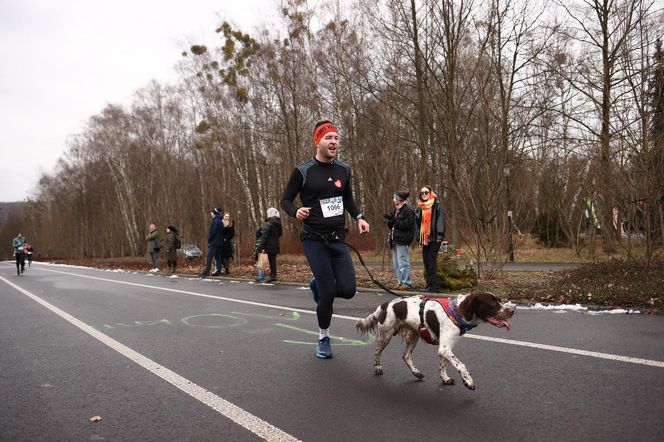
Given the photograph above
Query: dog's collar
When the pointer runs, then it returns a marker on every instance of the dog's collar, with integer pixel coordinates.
(454, 315)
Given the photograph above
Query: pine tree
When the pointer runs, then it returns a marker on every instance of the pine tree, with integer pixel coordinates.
(657, 96)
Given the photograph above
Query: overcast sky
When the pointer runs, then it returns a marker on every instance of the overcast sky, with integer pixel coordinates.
(62, 61)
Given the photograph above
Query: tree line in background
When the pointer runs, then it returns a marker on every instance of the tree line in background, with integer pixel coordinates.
(524, 116)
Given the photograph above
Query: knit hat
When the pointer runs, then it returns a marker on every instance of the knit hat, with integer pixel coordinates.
(271, 212)
(216, 211)
(172, 229)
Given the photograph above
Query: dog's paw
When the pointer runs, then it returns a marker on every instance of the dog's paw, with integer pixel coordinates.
(378, 371)
(418, 374)
(448, 382)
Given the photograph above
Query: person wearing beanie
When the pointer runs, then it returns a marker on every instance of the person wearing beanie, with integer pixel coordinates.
(170, 249)
(215, 241)
(324, 186)
(270, 234)
(401, 225)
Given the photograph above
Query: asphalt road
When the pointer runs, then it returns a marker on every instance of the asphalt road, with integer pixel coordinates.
(162, 358)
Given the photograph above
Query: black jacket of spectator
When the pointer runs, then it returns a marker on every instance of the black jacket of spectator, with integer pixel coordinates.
(227, 233)
(404, 226)
(215, 235)
(271, 232)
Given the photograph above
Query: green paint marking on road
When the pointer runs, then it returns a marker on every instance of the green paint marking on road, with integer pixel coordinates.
(236, 321)
(294, 316)
(337, 340)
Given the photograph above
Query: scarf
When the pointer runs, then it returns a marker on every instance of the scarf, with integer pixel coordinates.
(425, 227)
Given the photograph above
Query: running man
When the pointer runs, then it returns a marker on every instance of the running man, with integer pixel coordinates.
(323, 183)
(18, 245)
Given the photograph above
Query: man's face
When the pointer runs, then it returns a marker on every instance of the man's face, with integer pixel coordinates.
(328, 146)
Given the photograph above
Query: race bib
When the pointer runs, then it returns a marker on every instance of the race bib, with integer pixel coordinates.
(332, 206)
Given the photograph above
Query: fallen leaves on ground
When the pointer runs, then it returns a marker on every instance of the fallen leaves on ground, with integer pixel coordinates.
(609, 284)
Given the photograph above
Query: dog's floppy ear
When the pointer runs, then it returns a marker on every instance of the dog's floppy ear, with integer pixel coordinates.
(468, 306)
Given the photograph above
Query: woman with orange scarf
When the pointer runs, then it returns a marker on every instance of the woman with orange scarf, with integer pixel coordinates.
(430, 232)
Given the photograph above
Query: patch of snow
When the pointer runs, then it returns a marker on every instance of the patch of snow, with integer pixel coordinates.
(617, 311)
(564, 308)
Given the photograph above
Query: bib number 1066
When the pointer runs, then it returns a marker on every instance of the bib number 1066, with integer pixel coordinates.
(332, 206)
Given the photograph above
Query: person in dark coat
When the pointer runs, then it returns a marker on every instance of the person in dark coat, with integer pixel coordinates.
(430, 232)
(271, 232)
(227, 233)
(215, 241)
(170, 250)
(401, 225)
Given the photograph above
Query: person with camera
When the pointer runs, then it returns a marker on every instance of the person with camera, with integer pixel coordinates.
(401, 225)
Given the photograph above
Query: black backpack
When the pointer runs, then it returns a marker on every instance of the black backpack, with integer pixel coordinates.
(177, 243)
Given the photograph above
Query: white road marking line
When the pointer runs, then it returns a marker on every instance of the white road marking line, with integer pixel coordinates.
(186, 292)
(592, 354)
(241, 417)
(608, 356)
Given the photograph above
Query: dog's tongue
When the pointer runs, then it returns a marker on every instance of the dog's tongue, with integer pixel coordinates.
(499, 322)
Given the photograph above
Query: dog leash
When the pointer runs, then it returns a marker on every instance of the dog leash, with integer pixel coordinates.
(373, 279)
(335, 237)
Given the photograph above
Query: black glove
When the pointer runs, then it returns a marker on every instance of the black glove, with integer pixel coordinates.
(388, 217)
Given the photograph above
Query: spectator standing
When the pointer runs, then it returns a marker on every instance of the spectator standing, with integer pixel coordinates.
(215, 241)
(227, 233)
(18, 244)
(324, 186)
(430, 231)
(270, 234)
(28, 251)
(154, 246)
(401, 224)
(170, 248)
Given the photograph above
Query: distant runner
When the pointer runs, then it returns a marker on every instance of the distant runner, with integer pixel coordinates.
(18, 244)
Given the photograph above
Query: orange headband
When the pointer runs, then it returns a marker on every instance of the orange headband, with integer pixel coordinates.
(320, 132)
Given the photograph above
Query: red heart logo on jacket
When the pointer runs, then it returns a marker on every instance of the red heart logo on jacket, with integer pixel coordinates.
(337, 183)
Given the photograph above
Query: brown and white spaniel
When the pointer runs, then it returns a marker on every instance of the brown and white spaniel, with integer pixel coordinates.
(439, 321)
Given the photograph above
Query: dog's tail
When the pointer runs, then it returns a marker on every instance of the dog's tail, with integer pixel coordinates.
(370, 323)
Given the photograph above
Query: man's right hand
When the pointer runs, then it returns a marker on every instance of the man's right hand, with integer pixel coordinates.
(303, 213)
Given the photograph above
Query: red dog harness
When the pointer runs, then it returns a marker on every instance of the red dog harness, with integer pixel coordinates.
(450, 311)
